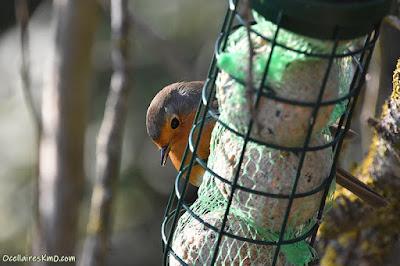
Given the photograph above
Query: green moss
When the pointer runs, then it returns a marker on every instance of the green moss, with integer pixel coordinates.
(330, 257)
(396, 83)
(381, 228)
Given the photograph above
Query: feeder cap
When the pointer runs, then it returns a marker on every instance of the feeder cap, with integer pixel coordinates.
(323, 19)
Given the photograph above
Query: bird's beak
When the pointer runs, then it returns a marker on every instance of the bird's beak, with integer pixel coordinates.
(164, 153)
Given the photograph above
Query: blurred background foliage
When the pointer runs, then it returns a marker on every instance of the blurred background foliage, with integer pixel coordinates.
(166, 34)
(172, 41)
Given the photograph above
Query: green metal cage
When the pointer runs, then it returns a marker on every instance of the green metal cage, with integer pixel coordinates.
(325, 20)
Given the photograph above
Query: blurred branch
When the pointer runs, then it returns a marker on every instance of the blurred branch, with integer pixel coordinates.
(171, 54)
(351, 224)
(109, 143)
(22, 15)
(389, 51)
(393, 21)
(379, 82)
(65, 103)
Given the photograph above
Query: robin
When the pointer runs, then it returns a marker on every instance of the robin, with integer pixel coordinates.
(169, 121)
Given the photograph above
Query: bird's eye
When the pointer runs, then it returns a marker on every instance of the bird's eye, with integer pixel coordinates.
(174, 123)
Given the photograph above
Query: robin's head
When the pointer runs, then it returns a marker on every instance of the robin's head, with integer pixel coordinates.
(170, 114)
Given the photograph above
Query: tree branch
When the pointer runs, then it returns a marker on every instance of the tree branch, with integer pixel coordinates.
(65, 108)
(22, 15)
(380, 169)
(109, 142)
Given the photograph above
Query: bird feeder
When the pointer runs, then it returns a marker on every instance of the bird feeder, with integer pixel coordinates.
(280, 80)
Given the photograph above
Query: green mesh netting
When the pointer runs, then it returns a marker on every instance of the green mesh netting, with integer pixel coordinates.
(291, 75)
(253, 216)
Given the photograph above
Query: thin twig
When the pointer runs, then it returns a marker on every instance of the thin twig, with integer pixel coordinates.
(249, 77)
(22, 15)
(109, 144)
(249, 74)
(171, 54)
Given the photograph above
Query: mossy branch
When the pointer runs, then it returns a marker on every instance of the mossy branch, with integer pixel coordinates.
(352, 224)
